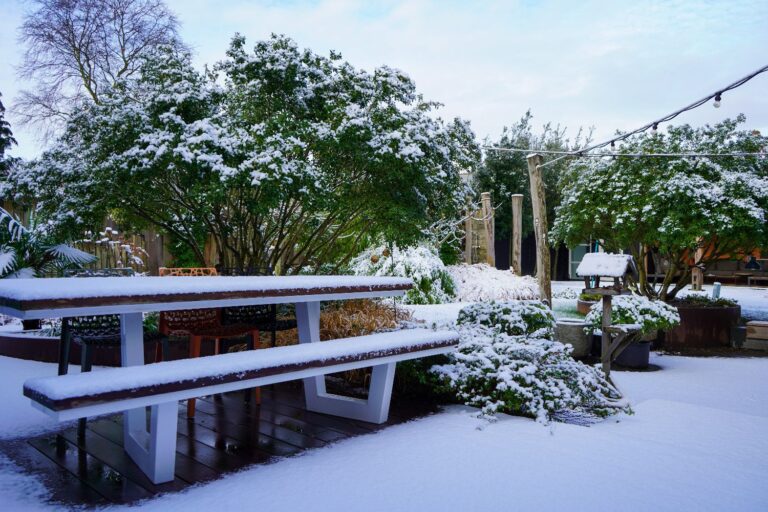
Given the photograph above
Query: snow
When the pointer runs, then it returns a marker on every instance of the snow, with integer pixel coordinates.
(483, 283)
(604, 264)
(66, 288)
(19, 419)
(696, 442)
(133, 377)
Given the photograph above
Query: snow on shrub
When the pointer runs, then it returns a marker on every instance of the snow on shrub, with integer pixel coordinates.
(483, 283)
(500, 371)
(432, 283)
(649, 314)
(525, 318)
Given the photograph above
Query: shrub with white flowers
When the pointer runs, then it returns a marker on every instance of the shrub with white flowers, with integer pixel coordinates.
(432, 283)
(505, 364)
(649, 314)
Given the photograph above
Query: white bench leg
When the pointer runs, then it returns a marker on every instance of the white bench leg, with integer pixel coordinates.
(154, 451)
(373, 410)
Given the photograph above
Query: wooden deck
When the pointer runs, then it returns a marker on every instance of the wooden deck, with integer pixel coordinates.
(226, 435)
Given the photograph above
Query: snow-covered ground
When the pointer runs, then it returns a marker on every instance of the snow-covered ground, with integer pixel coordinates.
(696, 442)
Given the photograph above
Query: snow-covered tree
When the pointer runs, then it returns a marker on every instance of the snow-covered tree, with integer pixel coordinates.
(280, 157)
(76, 49)
(6, 141)
(664, 209)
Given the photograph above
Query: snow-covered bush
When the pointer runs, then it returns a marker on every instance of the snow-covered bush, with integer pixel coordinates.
(523, 374)
(522, 318)
(432, 283)
(670, 209)
(650, 315)
(483, 283)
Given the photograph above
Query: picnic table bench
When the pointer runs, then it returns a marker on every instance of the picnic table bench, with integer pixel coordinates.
(161, 386)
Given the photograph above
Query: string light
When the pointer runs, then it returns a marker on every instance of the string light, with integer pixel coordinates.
(655, 128)
(716, 103)
(654, 124)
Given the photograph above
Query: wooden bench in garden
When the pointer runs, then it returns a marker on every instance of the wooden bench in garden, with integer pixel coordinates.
(160, 386)
(163, 385)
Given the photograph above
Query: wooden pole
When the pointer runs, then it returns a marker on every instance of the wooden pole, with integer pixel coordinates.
(605, 356)
(468, 236)
(697, 275)
(517, 233)
(488, 223)
(540, 227)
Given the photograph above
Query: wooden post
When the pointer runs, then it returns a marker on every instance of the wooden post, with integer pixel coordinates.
(468, 236)
(488, 223)
(540, 227)
(517, 233)
(605, 356)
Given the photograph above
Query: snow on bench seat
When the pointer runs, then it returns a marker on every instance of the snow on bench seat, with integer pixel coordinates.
(192, 376)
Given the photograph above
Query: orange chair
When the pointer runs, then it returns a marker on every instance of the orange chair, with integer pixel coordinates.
(197, 324)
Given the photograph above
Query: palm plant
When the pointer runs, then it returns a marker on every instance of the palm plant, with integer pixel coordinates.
(31, 252)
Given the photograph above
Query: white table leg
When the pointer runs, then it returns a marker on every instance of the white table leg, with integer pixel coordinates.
(373, 410)
(154, 451)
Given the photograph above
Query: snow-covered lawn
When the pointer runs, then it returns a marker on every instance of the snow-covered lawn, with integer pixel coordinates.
(697, 441)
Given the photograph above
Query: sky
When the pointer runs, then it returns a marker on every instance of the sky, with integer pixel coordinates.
(603, 65)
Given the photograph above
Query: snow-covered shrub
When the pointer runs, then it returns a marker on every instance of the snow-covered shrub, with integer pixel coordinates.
(523, 374)
(649, 314)
(520, 318)
(483, 283)
(432, 283)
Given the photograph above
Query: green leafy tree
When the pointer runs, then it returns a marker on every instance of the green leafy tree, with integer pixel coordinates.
(504, 173)
(27, 252)
(278, 157)
(664, 209)
(6, 141)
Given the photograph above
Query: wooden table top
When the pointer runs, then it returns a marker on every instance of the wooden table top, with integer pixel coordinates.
(72, 296)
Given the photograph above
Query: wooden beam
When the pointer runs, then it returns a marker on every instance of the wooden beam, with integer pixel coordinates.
(517, 233)
(468, 236)
(540, 227)
(488, 224)
(605, 353)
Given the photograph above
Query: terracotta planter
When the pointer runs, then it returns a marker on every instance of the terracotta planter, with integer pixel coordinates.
(583, 306)
(702, 327)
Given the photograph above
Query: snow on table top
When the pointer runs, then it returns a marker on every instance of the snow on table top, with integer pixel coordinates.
(604, 264)
(86, 287)
(134, 377)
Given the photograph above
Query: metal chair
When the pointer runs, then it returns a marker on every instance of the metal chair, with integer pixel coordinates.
(199, 324)
(89, 331)
(263, 316)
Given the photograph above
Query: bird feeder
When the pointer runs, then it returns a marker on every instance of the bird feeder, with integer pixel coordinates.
(618, 267)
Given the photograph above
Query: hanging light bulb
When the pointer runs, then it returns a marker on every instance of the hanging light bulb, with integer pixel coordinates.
(655, 128)
(716, 103)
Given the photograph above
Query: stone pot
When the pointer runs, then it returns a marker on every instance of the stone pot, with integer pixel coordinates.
(703, 326)
(572, 332)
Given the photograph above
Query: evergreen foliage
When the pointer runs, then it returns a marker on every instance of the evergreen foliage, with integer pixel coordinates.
(664, 209)
(283, 157)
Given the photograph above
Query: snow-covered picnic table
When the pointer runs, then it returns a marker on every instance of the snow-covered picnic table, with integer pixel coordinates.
(162, 385)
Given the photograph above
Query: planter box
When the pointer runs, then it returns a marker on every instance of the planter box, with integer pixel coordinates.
(702, 327)
(637, 355)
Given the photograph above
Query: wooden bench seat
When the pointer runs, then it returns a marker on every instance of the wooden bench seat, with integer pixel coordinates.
(163, 385)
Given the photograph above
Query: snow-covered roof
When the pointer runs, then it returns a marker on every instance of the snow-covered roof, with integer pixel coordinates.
(605, 264)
